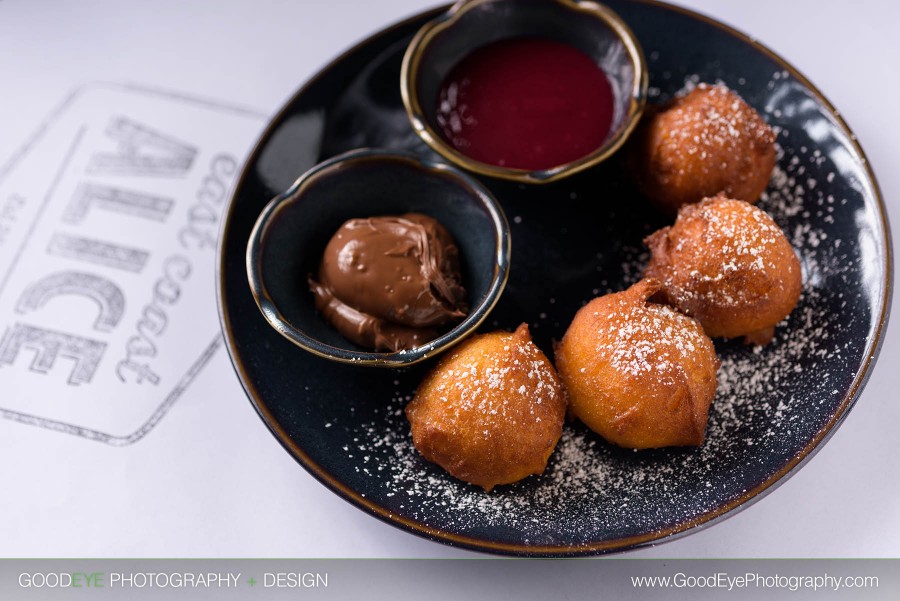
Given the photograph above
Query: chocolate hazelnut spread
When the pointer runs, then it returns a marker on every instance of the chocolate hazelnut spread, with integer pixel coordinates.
(389, 282)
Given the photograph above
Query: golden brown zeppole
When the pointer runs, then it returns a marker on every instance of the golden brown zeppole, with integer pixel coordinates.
(705, 142)
(728, 264)
(640, 374)
(491, 411)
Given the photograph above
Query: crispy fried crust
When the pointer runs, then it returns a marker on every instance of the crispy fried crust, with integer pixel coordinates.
(639, 374)
(491, 412)
(728, 264)
(706, 142)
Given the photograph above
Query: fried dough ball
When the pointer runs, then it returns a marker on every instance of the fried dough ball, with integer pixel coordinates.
(728, 264)
(706, 142)
(491, 412)
(639, 374)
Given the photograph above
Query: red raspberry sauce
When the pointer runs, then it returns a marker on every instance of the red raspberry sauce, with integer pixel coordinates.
(526, 103)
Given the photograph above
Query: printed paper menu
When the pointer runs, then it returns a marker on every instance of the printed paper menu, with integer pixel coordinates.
(109, 218)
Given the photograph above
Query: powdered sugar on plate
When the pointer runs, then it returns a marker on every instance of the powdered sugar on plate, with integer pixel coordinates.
(771, 401)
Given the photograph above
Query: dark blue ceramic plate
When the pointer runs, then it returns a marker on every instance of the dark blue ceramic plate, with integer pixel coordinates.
(571, 241)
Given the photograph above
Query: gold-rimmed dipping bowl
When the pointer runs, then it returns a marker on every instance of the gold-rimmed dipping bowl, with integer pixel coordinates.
(291, 233)
(589, 26)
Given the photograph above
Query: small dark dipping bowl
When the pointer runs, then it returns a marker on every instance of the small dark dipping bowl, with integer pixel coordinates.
(291, 233)
(590, 27)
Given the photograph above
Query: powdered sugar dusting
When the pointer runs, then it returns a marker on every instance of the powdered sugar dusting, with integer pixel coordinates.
(738, 244)
(716, 124)
(647, 335)
(770, 401)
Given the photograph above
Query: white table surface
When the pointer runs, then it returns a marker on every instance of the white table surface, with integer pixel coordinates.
(226, 488)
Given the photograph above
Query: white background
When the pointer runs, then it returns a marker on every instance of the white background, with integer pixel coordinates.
(210, 480)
